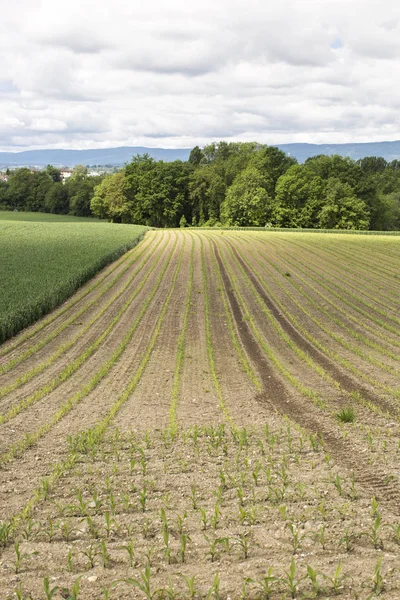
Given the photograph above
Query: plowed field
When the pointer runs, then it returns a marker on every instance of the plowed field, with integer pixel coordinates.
(216, 414)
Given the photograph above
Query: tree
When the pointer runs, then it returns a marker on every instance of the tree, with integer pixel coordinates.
(206, 194)
(43, 183)
(247, 202)
(299, 196)
(342, 209)
(272, 163)
(53, 173)
(21, 189)
(79, 172)
(196, 156)
(56, 199)
(109, 200)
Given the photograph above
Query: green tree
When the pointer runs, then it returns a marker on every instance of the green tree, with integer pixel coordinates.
(247, 202)
(56, 199)
(109, 200)
(272, 163)
(342, 209)
(53, 173)
(21, 189)
(299, 196)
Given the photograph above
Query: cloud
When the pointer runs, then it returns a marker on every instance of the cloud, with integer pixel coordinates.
(88, 74)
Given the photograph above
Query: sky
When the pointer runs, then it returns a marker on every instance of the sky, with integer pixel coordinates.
(175, 74)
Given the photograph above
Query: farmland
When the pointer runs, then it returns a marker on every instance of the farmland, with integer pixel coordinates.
(53, 257)
(215, 414)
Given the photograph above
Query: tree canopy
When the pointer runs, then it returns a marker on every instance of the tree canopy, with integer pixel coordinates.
(222, 184)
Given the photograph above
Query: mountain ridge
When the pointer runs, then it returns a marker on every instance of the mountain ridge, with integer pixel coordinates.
(120, 155)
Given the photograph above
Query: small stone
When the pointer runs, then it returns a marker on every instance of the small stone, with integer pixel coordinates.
(92, 578)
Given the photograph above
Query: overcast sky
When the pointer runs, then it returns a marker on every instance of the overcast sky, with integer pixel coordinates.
(169, 73)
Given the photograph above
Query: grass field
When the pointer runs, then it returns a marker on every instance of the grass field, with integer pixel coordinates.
(215, 415)
(43, 262)
(37, 217)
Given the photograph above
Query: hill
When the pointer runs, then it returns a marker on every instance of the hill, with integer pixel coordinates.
(119, 156)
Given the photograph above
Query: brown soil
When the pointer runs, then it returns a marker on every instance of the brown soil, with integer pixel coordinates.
(255, 478)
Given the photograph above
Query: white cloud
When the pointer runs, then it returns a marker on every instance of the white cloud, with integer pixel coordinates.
(87, 74)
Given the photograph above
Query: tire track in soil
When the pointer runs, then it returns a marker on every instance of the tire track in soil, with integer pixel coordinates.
(346, 381)
(349, 319)
(276, 395)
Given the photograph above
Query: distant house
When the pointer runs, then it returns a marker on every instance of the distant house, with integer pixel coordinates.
(65, 173)
(4, 176)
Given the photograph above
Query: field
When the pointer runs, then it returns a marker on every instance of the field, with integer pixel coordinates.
(214, 415)
(52, 258)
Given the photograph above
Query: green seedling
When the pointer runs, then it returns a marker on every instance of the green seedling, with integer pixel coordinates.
(213, 545)
(312, 574)
(374, 507)
(346, 415)
(191, 585)
(20, 557)
(296, 536)
(213, 591)
(49, 592)
(110, 522)
(107, 590)
(337, 482)
(144, 584)
(266, 584)
(290, 580)
(94, 532)
(91, 552)
(378, 583)
(193, 496)
(320, 536)
(243, 541)
(184, 540)
(214, 519)
(19, 594)
(181, 522)
(70, 566)
(347, 539)
(396, 531)
(337, 579)
(130, 549)
(373, 532)
(6, 528)
(72, 594)
(28, 529)
(203, 518)
(105, 557)
(143, 498)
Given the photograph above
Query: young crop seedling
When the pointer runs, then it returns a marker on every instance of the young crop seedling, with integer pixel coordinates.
(346, 415)
(130, 549)
(266, 585)
(20, 557)
(49, 591)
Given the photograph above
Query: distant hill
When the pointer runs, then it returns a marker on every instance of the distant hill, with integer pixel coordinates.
(388, 150)
(101, 156)
(124, 154)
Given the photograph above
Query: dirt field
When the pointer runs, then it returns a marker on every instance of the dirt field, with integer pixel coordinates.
(177, 429)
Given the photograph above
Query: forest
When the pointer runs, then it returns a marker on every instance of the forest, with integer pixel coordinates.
(223, 184)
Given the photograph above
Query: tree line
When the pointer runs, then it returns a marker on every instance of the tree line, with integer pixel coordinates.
(231, 184)
(44, 191)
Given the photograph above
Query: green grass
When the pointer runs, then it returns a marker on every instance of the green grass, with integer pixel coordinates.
(8, 215)
(43, 263)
